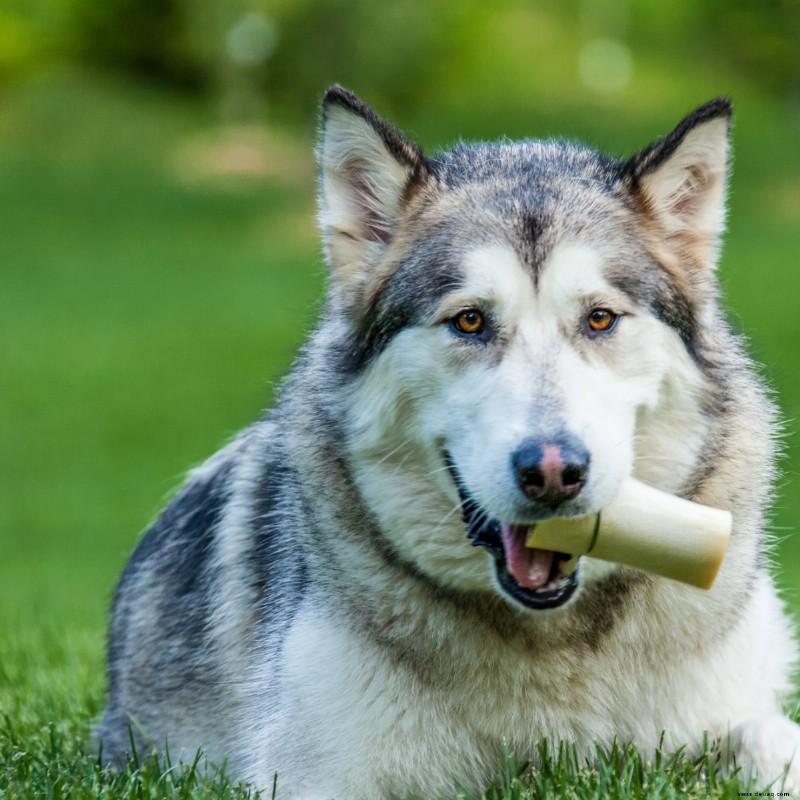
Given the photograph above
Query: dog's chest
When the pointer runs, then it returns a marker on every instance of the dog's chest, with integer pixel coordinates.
(473, 692)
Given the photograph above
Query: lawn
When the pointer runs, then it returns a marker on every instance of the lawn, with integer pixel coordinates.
(158, 275)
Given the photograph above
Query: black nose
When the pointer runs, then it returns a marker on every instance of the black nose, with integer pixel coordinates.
(551, 471)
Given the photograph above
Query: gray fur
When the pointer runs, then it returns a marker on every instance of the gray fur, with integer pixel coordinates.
(272, 619)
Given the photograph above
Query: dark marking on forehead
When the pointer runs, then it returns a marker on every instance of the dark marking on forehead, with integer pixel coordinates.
(533, 227)
(531, 243)
(534, 192)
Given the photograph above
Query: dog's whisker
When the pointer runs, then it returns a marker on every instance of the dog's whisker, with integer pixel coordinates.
(437, 470)
(392, 452)
(401, 463)
(447, 516)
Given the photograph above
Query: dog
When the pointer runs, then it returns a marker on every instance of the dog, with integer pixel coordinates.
(342, 595)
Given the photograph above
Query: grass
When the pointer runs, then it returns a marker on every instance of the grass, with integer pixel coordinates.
(616, 774)
(60, 765)
(149, 291)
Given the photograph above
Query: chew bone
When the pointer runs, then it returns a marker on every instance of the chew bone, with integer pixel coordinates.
(648, 529)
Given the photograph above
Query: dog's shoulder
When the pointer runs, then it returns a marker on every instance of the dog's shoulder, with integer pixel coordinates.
(177, 559)
(184, 530)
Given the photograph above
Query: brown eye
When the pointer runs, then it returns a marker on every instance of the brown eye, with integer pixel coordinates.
(469, 321)
(601, 319)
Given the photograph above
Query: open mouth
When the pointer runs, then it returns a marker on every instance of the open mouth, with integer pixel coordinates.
(533, 577)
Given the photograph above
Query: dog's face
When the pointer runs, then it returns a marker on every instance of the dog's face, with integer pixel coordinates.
(521, 325)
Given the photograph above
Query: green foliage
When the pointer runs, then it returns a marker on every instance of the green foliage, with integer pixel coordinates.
(753, 39)
(408, 53)
(389, 51)
(145, 37)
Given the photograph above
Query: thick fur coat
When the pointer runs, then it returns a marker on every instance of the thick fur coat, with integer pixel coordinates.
(511, 330)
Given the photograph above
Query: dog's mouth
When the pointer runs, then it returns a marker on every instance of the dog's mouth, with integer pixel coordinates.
(535, 578)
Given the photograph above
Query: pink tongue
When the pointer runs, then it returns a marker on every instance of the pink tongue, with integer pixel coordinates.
(529, 566)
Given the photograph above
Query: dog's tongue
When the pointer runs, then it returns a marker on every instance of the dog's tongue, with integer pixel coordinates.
(529, 566)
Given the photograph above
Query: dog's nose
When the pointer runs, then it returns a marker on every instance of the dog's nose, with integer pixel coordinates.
(551, 471)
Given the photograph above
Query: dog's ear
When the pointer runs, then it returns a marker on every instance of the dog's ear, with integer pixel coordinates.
(680, 181)
(367, 171)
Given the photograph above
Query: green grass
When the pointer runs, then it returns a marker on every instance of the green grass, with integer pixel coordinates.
(60, 764)
(616, 774)
(146, 309)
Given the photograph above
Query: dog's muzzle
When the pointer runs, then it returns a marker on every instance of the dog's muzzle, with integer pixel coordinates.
(537, 579)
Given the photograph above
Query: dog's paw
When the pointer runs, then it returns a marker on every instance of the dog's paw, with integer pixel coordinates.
(768, 749)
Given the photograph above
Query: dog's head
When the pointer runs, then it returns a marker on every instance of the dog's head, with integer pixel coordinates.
(521, 325)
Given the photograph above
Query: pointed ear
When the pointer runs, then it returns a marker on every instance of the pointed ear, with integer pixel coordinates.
(367, 172)
(680, 183)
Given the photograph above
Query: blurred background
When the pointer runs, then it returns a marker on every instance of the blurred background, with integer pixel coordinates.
(158, 251)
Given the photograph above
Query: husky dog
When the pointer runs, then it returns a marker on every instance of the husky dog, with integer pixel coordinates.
(511, 330)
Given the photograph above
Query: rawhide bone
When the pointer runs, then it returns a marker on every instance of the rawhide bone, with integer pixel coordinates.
(648, 529)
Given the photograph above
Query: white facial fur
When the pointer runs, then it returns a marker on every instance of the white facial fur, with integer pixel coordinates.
(630, 396)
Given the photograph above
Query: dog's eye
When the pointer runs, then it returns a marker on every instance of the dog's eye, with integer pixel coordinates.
(601, 320)
(469, 321)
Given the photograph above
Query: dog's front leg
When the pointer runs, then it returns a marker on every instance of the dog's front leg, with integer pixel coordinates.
(767, 747)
